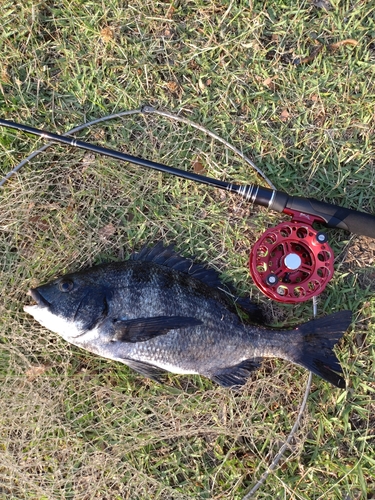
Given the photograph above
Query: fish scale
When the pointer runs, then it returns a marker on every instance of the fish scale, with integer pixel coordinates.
(160, 312)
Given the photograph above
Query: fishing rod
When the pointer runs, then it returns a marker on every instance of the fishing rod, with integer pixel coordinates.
(291, 262)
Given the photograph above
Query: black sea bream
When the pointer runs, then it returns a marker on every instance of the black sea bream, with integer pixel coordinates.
(159, 311)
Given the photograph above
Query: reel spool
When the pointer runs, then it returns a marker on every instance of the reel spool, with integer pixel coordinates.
(291, 262)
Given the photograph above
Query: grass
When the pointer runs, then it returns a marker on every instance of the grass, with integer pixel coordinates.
(73, 426)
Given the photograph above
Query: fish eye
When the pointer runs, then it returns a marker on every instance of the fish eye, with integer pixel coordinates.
(66, 285)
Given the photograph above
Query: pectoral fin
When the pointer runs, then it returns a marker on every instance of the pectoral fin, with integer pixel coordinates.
(143, 329)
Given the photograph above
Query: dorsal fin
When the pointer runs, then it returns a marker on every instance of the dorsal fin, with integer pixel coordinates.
(167, 256)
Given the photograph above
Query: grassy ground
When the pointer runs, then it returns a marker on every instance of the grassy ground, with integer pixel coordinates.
(73, 426)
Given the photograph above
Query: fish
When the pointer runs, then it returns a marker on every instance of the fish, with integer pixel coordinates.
(161, 312)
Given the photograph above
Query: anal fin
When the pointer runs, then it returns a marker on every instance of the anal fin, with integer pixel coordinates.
(237, 375)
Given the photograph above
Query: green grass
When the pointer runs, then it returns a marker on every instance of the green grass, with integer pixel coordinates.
(83, 427)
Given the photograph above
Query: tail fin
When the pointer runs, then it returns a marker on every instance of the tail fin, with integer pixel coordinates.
(319, 336)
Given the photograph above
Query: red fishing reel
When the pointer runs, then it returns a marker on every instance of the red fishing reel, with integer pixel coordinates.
(292, 262)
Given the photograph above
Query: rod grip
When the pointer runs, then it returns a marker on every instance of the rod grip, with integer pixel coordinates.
(333, 215)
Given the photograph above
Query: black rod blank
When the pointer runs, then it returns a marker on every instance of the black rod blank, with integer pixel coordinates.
(70, 141)
(327, 213)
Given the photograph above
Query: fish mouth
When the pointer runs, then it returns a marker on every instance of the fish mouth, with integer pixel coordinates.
(38, 297)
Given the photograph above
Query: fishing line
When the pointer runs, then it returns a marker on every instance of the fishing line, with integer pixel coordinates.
(292, 432)
(285, 446)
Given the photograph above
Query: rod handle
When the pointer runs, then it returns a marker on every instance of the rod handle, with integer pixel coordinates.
(334, 216)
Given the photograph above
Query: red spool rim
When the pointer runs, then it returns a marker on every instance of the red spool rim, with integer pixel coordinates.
(291, 262)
